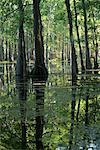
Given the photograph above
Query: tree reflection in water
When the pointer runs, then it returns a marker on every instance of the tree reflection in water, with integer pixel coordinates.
(22, 93)
(39, 118)
(71, 114)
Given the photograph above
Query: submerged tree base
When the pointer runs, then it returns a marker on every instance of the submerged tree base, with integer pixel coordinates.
(39, 73)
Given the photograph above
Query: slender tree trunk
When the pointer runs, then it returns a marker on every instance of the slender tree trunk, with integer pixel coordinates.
(96, 47)
(74, 57)
(88, 62)
(27, 46)
(15, 51)
(47, 50)
(6, 50)
(7, 78)
(2, 43)
(63, 54)
(2, 49)
(12, 47)
(32, 46)
(78, 37)
(10, 53)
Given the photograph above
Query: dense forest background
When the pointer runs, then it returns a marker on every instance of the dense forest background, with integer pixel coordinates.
(49, 74)
(84, 29)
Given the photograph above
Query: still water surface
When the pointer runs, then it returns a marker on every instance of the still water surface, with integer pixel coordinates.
(55, 116)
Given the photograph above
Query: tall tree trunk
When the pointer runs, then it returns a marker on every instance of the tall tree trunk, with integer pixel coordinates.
(27, 46)
(74, 57)
(47, 49)
(21, 60)
(39, 72)
(63, 54)
(6, 49)
(88, 62)
(2, 43)
(2, 49)
(39, 48)
(78, 37)
(15, 51)
(96, 48)
(10, 53)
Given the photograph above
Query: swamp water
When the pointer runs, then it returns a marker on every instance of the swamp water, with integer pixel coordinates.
(55, 116)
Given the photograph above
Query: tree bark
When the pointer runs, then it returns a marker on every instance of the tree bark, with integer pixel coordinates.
(88, 62)
(96, 48)
(39, 48)
(6, 50)
(2, 49)
(47, 49)
(21, 60)
(63, 54)
(78, 37)
(39, 72)
(10, 53)
(73, 53)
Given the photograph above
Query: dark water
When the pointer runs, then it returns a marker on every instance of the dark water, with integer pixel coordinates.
(55, 116)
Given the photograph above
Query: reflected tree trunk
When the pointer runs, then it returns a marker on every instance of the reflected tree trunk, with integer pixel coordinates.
(22, 92)
(39, 89)
(78, 110)
(86, 109)
(80, 94)
(73, 103)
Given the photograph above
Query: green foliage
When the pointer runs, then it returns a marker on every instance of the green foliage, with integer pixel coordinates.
(58, 92)
(57, 114)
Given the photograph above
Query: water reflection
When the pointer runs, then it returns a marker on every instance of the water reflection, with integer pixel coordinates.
(55, 116)
(39, 92)
(21, 85)
(73, 103)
